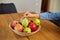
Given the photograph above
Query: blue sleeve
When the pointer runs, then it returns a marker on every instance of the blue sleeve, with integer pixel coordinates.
(58, 15)
(50, 16)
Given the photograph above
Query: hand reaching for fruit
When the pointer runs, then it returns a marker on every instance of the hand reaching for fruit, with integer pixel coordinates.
(28, 14)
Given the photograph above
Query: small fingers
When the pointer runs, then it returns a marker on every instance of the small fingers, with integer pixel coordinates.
(27, 14)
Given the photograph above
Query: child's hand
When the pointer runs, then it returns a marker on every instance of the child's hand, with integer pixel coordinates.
(28, 14)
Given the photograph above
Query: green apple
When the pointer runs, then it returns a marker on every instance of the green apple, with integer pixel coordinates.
(24, 22)
(27, 30)
(36, 21)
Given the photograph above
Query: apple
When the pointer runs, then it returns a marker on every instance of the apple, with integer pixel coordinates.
(32, 26)
(27, 30)
(24, 22)
(19, 28)
(20, 18)
(13, 24)
(36, 21)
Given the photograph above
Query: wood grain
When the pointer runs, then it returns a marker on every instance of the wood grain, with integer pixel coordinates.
(48, 31)
(5, 32)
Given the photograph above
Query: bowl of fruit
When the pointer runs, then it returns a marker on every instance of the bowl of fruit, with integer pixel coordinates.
(26, 26)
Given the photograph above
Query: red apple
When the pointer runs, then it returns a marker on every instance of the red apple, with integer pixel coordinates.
(19, 28)
(20, 18)
(13, 24)
(32, 26)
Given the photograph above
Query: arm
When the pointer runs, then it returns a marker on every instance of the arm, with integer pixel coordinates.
(45, 15)
(49, 16)
(58, 15)
(35, 15)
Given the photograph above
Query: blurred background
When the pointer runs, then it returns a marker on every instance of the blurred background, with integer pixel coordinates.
(35, 5)
(50, 5)
(25, 5)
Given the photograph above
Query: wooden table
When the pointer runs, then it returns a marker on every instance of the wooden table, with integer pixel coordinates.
(48, 31)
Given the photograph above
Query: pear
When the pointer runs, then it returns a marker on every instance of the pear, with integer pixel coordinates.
(27, 30)
(24, 22)
(36, 21)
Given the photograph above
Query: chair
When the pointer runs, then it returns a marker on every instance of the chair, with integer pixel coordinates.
(7, 8)
(0, 8)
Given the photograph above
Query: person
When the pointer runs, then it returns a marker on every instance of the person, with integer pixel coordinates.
(44, 16)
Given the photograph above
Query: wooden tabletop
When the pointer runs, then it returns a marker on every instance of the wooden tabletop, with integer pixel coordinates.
(48, 31)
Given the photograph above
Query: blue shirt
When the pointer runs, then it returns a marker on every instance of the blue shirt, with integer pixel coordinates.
(50, 16)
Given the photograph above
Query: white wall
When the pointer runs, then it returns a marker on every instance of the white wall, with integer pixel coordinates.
(25, 5)
(54, 6)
